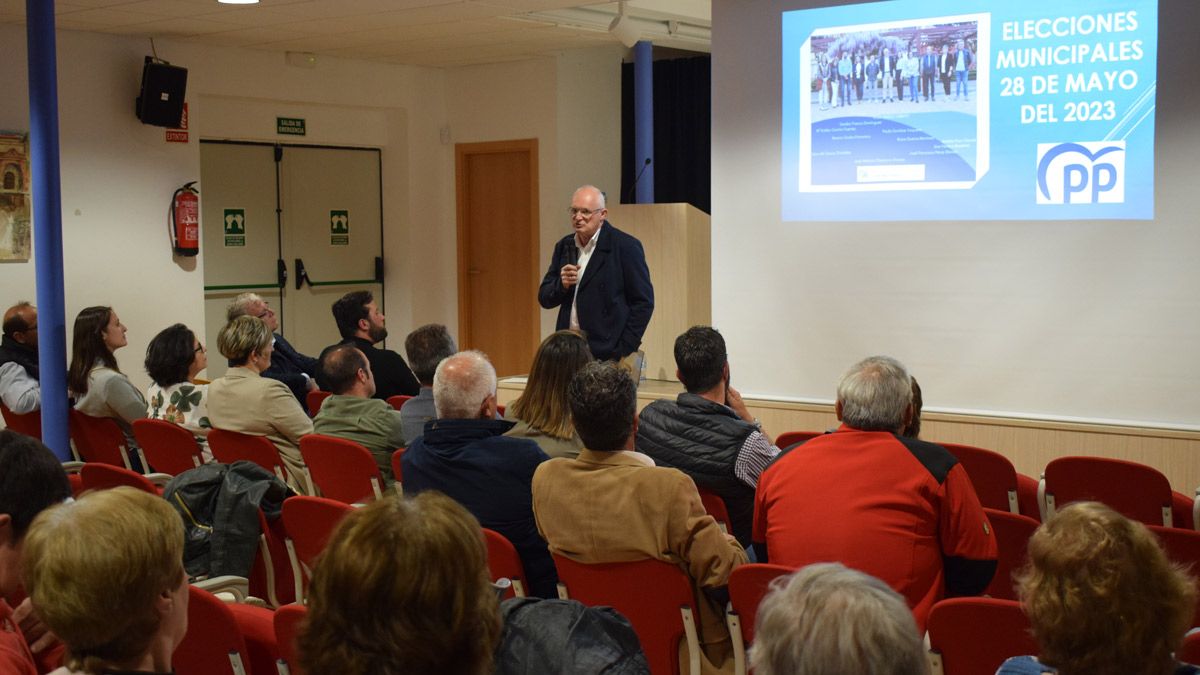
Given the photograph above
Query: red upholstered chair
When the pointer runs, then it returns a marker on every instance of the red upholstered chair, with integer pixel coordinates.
(655, 596)
(748, 585)
(257, 626)
(715, 506)
(308, 522)
(314, 399)
(271, 575)
(287, 627)
(1027, 496)
(504, 562)
(1012, 536)
(97, 476)
(168, 447)
(789, 438)
(1189, 651)
(1134, 490)
(232, 446)
(398, 400)
(213, 644)
(1184, 510)
(992, 475)
(29, 423)
(973, 636)
(396, 473)
(341, 469)
(1183, 547)
(99, 439)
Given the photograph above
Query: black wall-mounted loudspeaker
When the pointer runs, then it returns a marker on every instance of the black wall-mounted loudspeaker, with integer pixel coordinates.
(161, 101)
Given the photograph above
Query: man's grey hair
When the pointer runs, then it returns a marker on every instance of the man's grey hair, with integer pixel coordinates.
(461, 383)
(875, 393)
(241, 305)
(603, 199)
(828, 619)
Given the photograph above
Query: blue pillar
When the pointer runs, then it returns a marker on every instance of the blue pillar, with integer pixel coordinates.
(47, 223)
(643, 120)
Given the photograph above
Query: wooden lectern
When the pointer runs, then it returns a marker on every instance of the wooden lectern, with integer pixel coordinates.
(678, 245)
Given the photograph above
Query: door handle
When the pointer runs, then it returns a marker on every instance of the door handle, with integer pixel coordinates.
(281, 272)
(474, 271)
(301, 274)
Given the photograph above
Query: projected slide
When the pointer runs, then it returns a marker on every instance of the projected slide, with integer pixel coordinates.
(923, 110)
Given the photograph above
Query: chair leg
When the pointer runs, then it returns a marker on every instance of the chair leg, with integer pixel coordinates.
(562, 591)
(297, 573)
(1196, 511)
(269, 569)
(734, 623)
(1042, 498)
(693, 639)
(935, 663)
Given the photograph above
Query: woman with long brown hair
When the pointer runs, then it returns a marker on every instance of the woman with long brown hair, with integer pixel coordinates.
(99, 386)
(541, 411)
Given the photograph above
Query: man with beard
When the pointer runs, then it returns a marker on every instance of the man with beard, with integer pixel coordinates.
(362, 324)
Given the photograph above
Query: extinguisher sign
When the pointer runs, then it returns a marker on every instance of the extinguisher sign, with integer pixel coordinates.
(339, 228)
(179, 135)
(235, 227)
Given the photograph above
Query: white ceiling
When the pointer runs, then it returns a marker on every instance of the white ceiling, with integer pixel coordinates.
(420, 32)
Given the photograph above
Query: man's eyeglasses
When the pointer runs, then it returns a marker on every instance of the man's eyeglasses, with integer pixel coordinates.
(586, 213)
(198, 349)
(267, 311)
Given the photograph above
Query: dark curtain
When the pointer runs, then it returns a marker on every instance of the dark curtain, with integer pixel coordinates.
(682, 125)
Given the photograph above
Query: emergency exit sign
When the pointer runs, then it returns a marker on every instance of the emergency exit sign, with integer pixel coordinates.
(289, 126)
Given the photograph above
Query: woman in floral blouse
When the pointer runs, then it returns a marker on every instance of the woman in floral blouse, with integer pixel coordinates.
(173, 359)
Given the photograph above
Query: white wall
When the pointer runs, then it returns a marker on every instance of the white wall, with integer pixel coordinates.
(118, 174)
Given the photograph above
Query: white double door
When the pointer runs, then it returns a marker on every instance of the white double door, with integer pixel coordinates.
(299, 225)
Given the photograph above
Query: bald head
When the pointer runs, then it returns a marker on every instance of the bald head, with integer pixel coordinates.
(464, 387)
(20, 324)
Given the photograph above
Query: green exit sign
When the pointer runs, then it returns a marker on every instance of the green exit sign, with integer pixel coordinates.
(290, 126)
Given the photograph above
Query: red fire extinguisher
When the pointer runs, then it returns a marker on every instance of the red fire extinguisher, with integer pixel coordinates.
(184, 217)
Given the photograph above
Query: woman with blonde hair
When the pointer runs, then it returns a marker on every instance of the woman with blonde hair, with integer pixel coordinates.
(106, 576)
(541, 411)
(1102, 598)
(244, 401)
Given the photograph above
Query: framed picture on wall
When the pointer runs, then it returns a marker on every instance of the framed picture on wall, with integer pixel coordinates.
(15, 214)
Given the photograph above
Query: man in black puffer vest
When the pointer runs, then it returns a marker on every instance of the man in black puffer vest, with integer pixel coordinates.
(707, 432)
(20, 389)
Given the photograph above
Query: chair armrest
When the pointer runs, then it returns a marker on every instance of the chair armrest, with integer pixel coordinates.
(76, 467)
(159, 479)
(238, 587)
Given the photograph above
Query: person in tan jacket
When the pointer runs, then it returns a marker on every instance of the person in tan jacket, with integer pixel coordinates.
(244, 401)
(613, 505)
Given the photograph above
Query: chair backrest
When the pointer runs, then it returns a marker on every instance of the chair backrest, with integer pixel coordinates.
(715, 506)
(992, 475)
(168, 447)
(1134, 490)
(789, 438)
(1189, 651)
(655, 596)
(1182, 547)
(98, 439)
(98, 476)
(308, 522)
(501, 409)
(398, 400)
(748, 585)
(1012, 536)
(973, 636)
(231, 446)
(504, 562)
(396, 472)
(314, 399)
(213, 644)
(342, 469)
(287, 627)
(29, 423)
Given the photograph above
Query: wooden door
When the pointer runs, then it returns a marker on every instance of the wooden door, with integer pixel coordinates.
(498, 272)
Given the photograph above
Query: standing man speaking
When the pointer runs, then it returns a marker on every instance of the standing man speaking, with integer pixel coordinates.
(599, 281)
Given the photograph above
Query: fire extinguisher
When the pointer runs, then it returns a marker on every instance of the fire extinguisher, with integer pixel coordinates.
(184, 220)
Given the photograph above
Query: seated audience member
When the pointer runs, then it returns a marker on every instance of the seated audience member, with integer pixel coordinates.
(173, 359)
(913, 428)
(20, 388)
(362, 324)
(1102, 597)
(897, 508)
(244, 401)
(403, 588)
(707, 432)
(351, 413)
(31, 479)
(541, 411)
(833, 620)
(289, 366)
(106, 573)
(464, 454)
(99, 386)
(612, 504)
(426, 347)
